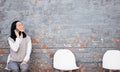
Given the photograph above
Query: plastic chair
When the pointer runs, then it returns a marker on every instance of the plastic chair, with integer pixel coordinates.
(111, 60)
(64, 60)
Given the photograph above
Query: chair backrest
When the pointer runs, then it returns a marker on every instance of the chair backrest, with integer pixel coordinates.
(111, 60)
(64, 59)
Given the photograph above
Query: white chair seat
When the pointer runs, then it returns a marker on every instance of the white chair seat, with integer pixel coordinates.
(65, 60)
(111, 60)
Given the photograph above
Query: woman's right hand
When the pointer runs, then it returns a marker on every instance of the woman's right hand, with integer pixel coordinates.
(16, 33)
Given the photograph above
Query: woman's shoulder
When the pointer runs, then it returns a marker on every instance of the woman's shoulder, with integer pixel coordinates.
(10, 39)
(28, 37)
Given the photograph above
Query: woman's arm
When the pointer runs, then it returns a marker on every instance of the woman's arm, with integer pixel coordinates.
(14, 45)
(29, 48)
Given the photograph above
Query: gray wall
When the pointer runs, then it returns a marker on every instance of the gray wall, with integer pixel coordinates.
(87, 27)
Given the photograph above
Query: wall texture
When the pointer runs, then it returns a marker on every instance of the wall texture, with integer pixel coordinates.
(87, 27)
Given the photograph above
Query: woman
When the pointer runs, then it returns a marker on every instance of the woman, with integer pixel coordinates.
(20, 48)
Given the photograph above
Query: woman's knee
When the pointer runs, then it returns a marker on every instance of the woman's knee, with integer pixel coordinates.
(24, 68)
(13, 66)
(14, 69)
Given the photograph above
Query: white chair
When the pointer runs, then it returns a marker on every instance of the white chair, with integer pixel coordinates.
(111, 60)
(64, 60)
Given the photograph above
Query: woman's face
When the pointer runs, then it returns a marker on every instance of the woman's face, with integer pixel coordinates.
(20, 27)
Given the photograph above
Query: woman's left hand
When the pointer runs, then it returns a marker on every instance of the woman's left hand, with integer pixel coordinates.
(23, 63)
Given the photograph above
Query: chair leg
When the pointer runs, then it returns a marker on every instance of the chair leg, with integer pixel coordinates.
(70, 71)
(110, 70)
(103, 70)
(61, 71)
(78, 70)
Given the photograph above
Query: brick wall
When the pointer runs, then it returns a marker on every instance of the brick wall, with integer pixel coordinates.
(87, 27)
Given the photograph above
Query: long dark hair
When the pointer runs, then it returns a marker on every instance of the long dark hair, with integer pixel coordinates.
(13, 27)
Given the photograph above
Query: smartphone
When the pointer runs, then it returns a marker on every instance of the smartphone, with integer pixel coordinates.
(18, 31)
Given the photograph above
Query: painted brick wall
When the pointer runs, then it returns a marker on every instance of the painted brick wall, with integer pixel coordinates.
(87, 27)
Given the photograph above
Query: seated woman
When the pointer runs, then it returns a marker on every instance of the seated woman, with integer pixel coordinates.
(20, 48)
